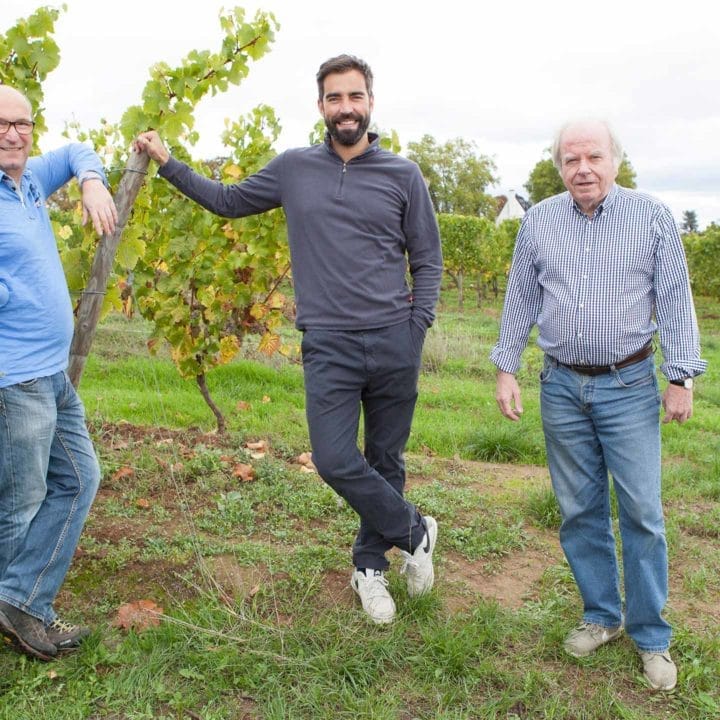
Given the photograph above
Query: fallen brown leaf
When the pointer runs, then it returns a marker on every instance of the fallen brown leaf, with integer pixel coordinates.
(123, 473)
(261, 445)
(138, 615)
(246, 473)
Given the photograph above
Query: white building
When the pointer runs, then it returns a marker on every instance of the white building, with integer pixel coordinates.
(513, 206)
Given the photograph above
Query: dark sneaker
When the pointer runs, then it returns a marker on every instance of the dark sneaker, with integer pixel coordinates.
(65, 636)
(418, 566)
(25, 632)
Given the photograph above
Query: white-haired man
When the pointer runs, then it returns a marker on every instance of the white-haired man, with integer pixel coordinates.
(600, 269)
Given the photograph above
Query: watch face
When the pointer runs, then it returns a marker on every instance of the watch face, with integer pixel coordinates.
(688, 383)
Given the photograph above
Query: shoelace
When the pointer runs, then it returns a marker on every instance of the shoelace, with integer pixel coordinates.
(62, 626)
(372, 583)
(408, 563)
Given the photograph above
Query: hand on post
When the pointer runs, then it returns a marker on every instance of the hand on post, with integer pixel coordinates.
(98, 206)
(150, 143)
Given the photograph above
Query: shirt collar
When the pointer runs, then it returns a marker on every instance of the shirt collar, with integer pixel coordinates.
(374, 139)
(604, 206)
(27, 175)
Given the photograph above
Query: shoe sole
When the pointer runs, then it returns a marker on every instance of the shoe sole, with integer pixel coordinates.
(376, 621)
(432, 530)
(7, 629)
(65, 649)
(659, 688)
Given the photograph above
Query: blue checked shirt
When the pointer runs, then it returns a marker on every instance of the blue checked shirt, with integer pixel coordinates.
(599, 287)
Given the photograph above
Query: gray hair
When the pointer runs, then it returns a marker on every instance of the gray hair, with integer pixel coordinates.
(615, 145)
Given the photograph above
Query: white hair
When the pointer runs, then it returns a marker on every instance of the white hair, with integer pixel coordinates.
(616, 147)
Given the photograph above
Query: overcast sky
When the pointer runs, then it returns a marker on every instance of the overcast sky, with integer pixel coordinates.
(503, 74)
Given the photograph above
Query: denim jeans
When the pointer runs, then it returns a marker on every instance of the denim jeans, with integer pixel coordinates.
(378, 371)
(49, 475)
(595, 425)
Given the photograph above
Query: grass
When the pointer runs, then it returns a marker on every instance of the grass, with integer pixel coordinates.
(260, 622)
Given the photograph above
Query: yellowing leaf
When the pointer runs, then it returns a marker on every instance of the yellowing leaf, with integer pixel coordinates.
(276, 301)
(229, 346)
(65, 232)
(269, 344)
(258, 311)
(229, 231)
(232, 171)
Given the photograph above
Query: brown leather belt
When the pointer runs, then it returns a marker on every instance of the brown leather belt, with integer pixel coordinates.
(641, 354)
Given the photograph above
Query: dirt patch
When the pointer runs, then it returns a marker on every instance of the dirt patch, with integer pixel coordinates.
(233, 580)
(511, 581)
(117, 436)
(335, 591)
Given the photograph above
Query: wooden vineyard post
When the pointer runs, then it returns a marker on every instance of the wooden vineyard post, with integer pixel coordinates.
(91, 300)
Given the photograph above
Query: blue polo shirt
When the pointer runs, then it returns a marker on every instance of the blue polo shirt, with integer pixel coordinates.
(36, 319)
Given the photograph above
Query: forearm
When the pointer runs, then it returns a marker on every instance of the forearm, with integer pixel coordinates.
(675, 310)
(254, 195)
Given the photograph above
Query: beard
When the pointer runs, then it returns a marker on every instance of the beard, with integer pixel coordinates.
(347, 136)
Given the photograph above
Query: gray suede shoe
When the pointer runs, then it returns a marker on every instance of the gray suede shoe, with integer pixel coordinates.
(588, 637)
(65, 636)
(25, 632)
(659, 670)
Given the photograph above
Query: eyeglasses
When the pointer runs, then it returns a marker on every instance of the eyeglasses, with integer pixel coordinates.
(23, 127)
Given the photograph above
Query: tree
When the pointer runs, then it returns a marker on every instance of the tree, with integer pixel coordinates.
(702, 250)
(461, 246)
(28, 54)
(545, 180)
(457, 176)
(204, 282)
(690, 222)
(473, 247)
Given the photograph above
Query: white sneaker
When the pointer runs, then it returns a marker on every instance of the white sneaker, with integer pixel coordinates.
(418, 566)
(372, 590)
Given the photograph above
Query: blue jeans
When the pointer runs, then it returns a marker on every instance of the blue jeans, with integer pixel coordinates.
(595, 425)
(49, 475)
(378, 371)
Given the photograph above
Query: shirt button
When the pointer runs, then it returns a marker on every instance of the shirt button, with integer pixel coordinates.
(579, 335)
(582, 305)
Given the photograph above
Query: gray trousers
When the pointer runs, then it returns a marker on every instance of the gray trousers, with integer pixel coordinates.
(378, 371)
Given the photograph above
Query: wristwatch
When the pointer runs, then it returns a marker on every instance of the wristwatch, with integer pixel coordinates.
(687, 383)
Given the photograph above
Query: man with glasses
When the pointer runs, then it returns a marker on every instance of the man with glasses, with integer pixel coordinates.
(48, 470)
